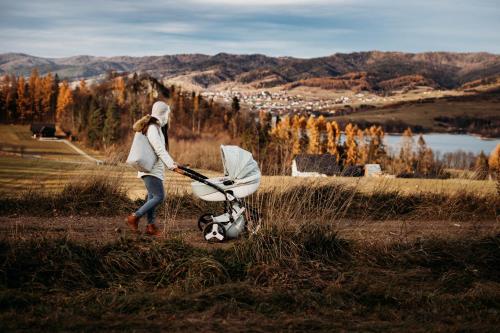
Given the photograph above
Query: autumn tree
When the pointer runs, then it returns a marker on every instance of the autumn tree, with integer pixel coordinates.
(425, 157)
(120, 90)
(300, 137)
(351, 146)
(196, 120)
(406, 154)
(64, 116)
(333, 139)
(47, 96)
(314, 135)
(494, 161)
(283, 130)
(35, 94)
(281, 150)
(481, 167)
(323, 139)
(8, 98)
(23, 105)
(376, 150)
(363, 146)
(81, 109)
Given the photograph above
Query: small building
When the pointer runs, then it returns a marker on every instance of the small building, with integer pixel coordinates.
(43, 130)
(306, 165)
(373, 170)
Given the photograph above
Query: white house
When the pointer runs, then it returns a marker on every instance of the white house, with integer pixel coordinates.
(373, 170)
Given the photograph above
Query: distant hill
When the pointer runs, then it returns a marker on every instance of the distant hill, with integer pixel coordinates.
(372, 70)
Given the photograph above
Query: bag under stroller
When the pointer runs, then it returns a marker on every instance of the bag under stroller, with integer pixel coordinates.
(241, 179)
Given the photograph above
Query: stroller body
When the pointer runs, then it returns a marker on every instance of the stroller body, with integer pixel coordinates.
(241, 179)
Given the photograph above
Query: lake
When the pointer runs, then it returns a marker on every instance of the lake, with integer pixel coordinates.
(447, 143)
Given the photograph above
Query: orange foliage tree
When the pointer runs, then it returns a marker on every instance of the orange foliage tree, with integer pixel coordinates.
(64, 104)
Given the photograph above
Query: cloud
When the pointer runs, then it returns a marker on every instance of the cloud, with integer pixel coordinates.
(260, 3)
(301, 28)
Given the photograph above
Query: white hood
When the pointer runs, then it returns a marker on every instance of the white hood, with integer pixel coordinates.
(238, 163)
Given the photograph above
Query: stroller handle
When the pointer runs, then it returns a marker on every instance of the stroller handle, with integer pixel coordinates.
(185, 171)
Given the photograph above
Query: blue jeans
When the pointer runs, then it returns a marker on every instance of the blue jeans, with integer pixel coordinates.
(155, 197)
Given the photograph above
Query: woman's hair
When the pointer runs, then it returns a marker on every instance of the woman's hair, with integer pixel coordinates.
(164, 129)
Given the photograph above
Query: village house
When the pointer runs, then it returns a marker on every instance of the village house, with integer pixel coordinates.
(306, 165)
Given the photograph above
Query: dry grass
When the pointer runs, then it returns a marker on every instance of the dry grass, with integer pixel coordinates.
(281, 203)
(296, 274)
(279, 281)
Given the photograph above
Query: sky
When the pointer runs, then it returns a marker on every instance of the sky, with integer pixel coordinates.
(297, 28)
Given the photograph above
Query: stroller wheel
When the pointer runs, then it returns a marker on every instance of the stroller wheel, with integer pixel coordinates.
(214, 232)
(204, 220)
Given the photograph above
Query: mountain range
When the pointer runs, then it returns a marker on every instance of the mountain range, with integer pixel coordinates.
(373, 70)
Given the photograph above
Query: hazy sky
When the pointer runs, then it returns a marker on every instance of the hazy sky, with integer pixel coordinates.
(300, 28)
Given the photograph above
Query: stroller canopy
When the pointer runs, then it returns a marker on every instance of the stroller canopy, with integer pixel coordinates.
(238, 163)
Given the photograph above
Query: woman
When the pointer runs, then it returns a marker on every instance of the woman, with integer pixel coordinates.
(151, 126)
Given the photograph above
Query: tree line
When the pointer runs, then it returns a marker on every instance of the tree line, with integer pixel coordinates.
(101, 114)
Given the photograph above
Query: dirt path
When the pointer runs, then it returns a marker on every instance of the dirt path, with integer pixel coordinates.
(109, 229)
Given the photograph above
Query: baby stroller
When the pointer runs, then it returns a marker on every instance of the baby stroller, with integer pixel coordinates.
(241, 179)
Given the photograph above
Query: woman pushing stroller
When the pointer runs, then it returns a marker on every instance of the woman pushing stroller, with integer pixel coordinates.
(153, 127)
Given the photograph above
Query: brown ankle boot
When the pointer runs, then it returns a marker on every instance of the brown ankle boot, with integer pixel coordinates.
(152, 230)
(133, 222)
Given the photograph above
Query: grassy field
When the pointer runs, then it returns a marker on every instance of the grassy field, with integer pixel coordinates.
(20, 174)
(51, 165)
(333, 254)
(17, 140)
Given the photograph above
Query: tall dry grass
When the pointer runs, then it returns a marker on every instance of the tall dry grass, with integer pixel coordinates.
(264, 282)
(282, 204)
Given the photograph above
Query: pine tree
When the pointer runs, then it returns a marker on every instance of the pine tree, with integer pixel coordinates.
(81, 109)
(235, 106)
(95, 124)
(11, 99)
(111, 131)
(135, 111)
(235, 116)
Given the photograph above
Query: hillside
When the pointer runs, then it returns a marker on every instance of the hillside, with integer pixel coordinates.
(478, 114)
(378, 70)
